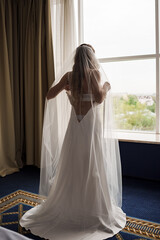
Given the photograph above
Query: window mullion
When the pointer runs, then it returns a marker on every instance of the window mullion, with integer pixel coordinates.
(128, 58)
(157, 67)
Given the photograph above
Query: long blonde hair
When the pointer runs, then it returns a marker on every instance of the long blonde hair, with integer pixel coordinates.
(84, 61)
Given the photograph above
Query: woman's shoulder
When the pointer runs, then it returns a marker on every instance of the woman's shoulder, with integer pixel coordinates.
(67, 76)
(69, 73)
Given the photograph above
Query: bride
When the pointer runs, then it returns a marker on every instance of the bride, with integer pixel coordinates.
(80, 163)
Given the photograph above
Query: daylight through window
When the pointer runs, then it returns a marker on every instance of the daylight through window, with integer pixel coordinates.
(125, 35)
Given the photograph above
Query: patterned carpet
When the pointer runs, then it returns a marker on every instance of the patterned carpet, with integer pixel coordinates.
(14, 205)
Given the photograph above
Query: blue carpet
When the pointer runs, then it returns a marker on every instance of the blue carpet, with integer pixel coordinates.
(141, 198)
(26, 179)
(14, 205)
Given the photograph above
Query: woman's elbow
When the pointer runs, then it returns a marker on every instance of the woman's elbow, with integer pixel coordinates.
(51, 93)
(48, 96)
(99, 98)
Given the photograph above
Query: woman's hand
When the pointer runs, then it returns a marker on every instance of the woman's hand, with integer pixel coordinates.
(67, 87)
(107, 86)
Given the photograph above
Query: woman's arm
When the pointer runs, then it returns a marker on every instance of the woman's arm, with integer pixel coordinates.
(54, 91)
(99, 91)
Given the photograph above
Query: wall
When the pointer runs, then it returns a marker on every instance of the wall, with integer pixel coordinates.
(140, 160)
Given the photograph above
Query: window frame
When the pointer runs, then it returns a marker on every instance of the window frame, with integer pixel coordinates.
(155, 56)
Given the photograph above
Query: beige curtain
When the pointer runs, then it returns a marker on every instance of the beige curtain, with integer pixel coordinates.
(26, 73)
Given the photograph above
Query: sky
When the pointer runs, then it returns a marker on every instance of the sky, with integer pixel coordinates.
(119, 28)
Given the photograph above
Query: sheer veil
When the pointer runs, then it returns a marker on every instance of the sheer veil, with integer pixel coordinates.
(80, 162)
(56, 121)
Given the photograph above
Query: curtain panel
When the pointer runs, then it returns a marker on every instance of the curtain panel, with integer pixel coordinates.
(64, 34)
(26, 73)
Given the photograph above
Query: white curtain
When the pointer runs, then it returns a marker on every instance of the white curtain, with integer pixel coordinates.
(63, 31)
(57, 111)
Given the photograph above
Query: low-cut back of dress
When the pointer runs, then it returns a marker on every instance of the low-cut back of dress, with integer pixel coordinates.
(86, 97)
(79, 205)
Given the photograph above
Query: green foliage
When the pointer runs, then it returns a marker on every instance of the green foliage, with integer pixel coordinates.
(152, 108)
(132, 100)
(131, 114)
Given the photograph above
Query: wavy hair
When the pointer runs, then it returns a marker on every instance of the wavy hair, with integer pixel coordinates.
(85, 62)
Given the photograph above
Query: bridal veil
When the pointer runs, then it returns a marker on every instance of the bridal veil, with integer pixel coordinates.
(80, 161)
(56, 119)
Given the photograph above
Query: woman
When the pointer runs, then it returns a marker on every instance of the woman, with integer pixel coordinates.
(82, 173)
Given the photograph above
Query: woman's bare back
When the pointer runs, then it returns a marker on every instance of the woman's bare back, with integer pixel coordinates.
(96, 93)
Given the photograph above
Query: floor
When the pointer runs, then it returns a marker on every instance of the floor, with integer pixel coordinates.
(141, 198)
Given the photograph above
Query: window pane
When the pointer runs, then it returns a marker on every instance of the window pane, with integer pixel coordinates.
(120, 27)
(133, 86)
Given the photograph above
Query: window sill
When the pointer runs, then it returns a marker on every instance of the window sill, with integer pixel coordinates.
(152, 138)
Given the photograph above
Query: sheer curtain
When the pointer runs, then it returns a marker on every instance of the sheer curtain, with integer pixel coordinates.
(63, 31)
(64, 42)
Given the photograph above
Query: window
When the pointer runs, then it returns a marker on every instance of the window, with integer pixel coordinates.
(125, 35)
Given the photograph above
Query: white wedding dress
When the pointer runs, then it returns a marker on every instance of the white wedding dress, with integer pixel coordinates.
(82, 200)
